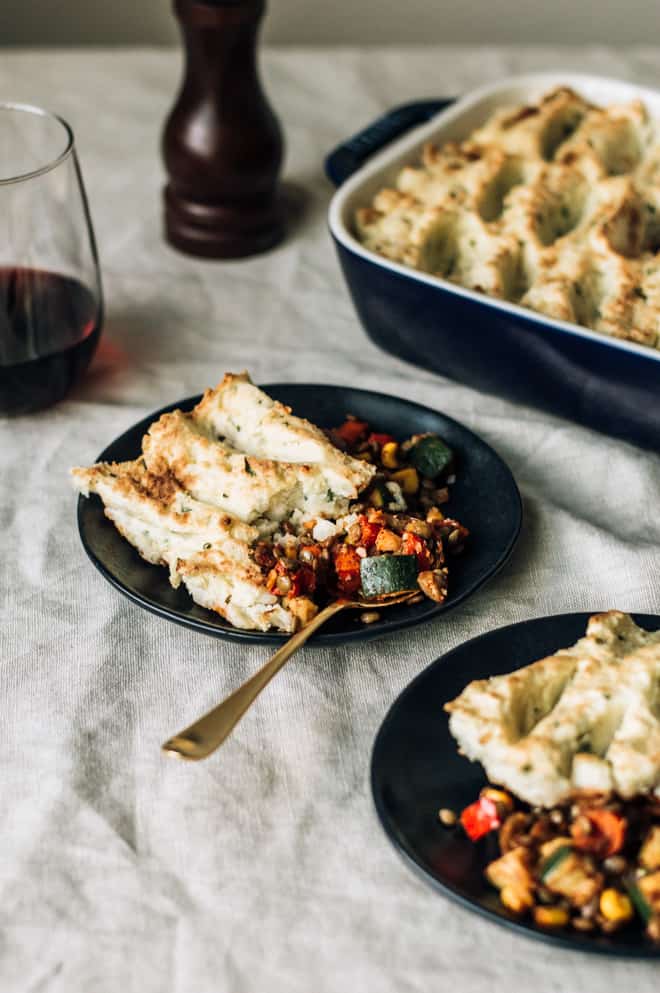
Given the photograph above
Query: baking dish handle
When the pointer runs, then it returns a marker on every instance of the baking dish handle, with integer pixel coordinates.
(352, 153)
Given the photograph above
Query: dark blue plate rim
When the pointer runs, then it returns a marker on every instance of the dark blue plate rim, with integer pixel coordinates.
(365, 633)
(569, 941)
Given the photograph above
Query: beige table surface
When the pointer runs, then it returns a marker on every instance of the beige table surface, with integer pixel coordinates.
(263, 870)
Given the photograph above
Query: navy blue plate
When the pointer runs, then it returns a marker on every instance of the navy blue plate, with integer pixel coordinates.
(485, 498)
(416, 769)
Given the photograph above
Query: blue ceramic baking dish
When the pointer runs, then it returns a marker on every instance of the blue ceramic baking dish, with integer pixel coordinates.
(610, 385)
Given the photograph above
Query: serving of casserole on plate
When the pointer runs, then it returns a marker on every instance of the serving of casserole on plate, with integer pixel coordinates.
(260, 517)
(573, 742)
(260, 514)
(563, 838)
(511, 243)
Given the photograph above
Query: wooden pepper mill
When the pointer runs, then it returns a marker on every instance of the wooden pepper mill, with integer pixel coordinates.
(222, 144)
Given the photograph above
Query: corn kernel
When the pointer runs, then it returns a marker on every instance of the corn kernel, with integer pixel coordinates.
(447, 817)
(388, 455)
(615, 906)
(551, 916)
(498, 797)
(369, 616)
(376, 499)
(408, 480)
(515, 899)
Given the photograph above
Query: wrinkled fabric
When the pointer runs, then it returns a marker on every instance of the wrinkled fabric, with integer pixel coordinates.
(263, 868)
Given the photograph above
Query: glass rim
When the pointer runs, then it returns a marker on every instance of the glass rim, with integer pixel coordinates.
(29, 108)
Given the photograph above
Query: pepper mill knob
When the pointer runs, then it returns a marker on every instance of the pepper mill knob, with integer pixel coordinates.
(222, 143)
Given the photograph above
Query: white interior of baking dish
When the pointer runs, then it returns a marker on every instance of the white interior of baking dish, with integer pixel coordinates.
(454, 124)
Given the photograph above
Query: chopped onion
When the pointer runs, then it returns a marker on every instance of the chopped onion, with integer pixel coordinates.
(324, 529)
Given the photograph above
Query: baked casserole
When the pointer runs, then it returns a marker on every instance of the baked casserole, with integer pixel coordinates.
(553, 205)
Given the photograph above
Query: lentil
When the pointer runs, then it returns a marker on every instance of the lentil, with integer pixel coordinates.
(369, 616)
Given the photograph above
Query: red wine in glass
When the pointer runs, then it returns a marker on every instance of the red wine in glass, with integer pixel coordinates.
(49, 328)
(50, 284)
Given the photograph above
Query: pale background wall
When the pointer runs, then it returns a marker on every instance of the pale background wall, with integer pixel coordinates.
(345, 21)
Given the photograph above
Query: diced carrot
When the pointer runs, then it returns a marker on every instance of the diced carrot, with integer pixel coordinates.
(347, 567)
(346, 559)
(607, 834)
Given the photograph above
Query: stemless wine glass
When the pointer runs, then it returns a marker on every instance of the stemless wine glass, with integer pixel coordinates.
(50, 284)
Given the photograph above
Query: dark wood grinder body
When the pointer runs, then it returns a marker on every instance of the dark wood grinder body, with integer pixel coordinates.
(222, 144)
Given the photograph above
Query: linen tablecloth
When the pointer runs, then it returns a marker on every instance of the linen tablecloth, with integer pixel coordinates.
(264, 868)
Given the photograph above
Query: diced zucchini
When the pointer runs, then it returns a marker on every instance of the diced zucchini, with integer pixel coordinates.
(431, 456)
(565, 872)
(638, 900)
(554, 860)
(383, 574)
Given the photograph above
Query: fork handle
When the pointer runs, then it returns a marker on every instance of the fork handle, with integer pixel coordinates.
(206, 734)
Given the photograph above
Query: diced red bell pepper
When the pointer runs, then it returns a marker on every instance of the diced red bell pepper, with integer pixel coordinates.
(352, 431)
(414, 545)
(380, 439)
(280, 568)
(480, 818)
(348, 582)
(370, 531)
(302, 578)
(302, 581)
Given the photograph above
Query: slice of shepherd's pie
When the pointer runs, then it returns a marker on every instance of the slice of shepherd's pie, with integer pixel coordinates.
(205, 548)
(204, 479)
(586, 718)
(259, 426)
(263, 517)
(246, 485)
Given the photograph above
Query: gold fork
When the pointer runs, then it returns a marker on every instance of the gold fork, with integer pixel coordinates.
(206, 734)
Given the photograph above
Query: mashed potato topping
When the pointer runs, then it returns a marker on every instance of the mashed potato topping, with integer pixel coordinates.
(585, 718)
(554, 206)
